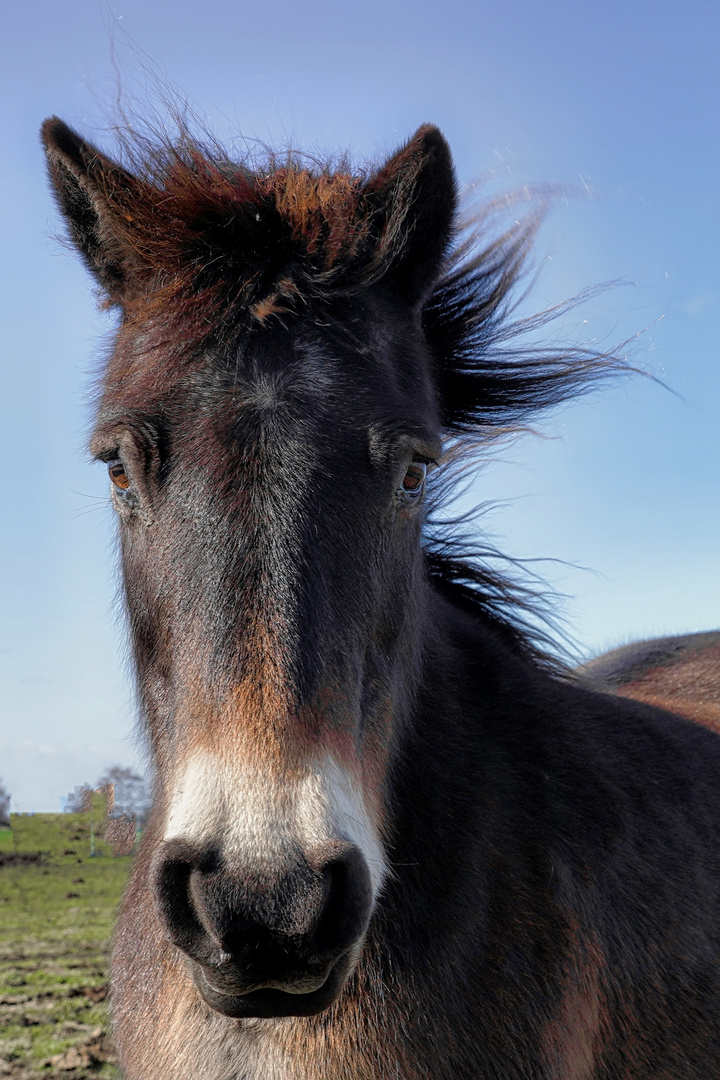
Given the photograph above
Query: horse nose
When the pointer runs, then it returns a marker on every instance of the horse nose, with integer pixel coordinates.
(252, 928)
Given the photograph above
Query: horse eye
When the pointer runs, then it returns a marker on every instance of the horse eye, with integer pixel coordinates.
(414, 479)
(118, 476)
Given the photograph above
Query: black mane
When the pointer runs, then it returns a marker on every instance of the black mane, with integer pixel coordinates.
(493, 382)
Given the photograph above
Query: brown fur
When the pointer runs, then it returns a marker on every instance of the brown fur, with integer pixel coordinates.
(690, 686)
(681, 675)
(574, 1040)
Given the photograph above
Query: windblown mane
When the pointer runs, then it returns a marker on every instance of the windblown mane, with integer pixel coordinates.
(494, 381)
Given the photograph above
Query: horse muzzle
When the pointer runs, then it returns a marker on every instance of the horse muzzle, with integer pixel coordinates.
(265, 942)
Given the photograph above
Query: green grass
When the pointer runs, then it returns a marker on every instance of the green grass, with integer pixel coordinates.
(56, 920)
(54, 834)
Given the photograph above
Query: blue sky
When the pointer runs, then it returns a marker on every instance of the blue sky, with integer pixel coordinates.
(616, 99)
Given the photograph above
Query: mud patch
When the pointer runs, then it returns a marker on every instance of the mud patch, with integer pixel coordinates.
(93, 1051)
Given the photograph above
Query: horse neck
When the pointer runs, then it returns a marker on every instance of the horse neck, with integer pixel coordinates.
(456, 755)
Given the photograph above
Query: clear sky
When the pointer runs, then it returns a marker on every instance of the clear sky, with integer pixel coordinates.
(619, 99)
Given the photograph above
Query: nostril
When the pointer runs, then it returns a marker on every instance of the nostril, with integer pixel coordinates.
(174, 869)
(346, 912)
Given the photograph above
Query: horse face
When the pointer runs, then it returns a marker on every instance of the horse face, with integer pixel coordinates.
(270, 509)
(269, 483)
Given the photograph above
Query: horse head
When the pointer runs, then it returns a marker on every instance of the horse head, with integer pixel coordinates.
(268, 417)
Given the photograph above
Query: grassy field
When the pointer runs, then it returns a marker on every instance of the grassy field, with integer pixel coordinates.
(56, 920)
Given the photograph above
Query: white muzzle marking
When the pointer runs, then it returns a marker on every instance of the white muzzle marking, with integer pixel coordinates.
(252, 817)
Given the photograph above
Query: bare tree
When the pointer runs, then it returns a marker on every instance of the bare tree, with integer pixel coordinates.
(4, 805)
(131, 793)
(78, 801)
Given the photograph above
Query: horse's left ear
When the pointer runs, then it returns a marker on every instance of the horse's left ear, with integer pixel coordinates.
(415, 195)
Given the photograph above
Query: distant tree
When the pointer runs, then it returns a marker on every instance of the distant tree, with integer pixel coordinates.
(131, 793)
(78, 801)
(4, 805)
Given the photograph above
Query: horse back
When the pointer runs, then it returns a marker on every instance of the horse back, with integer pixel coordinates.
(680, 674)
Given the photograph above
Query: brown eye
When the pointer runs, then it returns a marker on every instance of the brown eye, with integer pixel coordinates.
(414, 479)
(118, 476)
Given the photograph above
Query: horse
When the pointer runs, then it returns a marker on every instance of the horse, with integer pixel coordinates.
(391, 839)
(680, 674)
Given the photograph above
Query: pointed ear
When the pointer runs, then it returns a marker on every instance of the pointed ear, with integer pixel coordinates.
(95, 195)
(415, 195)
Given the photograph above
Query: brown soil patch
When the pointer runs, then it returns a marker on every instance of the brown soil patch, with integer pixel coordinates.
(88, 1054)
(19, 858)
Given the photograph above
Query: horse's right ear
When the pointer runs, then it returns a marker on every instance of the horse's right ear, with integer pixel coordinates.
(95, 196)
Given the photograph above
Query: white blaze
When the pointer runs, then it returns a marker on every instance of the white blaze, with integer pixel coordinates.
(253, 818)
